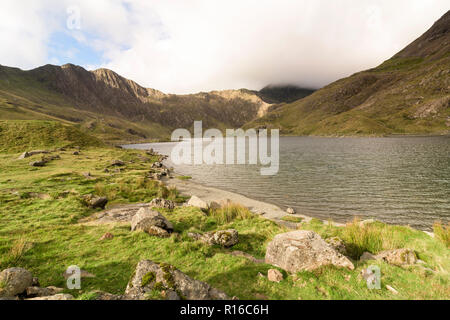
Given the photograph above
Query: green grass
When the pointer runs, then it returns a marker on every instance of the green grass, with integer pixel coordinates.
(442, 232)
(45, 236)
(16, 136)
(184, 177)
(292, 219)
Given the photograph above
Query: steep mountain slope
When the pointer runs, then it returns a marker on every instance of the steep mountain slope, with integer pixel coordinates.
(283, 93)
(115, 108)
(407, 94)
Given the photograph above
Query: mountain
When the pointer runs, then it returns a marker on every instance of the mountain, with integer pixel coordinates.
(407, 94)
(114, 108)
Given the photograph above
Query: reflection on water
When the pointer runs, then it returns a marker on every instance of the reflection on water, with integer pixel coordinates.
(400, 180)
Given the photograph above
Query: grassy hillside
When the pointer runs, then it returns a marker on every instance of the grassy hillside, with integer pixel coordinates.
(17, 136)
(408, 94)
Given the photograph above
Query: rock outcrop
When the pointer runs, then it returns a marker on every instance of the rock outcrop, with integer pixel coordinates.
(167, 282)
(151, 222)
(162, 203)
(224, 238)
(303, 250)
(14, 281)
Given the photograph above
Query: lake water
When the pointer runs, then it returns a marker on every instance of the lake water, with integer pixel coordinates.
(398, 180)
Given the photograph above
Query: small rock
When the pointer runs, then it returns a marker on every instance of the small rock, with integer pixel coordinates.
(104, 296)
(226, 238)
(96, 202)
(35, 282)
(24, 155)
(391, 289)
(197, 202)
(214, 205)
(38, 163)
(157, 165)
(274, 275)
(290, 210)
(14, 281)
(107, 236)
(162, 203)
(117, 163)
(76, 153)
(398, 257)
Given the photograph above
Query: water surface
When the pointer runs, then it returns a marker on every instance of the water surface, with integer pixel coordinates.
(398, 180)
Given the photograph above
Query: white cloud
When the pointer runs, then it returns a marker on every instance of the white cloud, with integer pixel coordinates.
(200, 45)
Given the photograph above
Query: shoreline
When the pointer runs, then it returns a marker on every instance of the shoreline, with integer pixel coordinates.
(263, 209)
(211, 194)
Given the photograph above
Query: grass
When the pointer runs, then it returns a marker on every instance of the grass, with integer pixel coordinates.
(184, 177)
(442, 232)
(45, 236)
(292, 219)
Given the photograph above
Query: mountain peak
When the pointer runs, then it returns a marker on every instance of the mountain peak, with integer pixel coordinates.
(435, 43)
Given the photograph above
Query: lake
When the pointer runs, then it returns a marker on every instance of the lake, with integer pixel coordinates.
(398, 180)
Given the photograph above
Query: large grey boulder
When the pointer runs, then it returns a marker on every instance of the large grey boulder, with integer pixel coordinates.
(152, 222)
(303, 250)
(14, 281)
(169, 283)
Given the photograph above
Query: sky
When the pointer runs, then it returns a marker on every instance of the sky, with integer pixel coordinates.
(187, 46)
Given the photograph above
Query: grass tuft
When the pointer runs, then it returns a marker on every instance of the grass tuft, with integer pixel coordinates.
(230, 212)
(442, 232)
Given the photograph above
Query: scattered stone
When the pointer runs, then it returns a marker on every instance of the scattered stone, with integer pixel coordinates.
(398, 257)
(14, 281)
(76, 153)
(157, 165)
(107, 236)
(155, 176)
(60, 296)
(41, 163)
(151, 222)
(118, 214)
(274, 275)
(224, 238)
(150, 276)
(33, 292)
(338, 245)
(290, 210)
(117, 163)
(104, 296)
(28, 154)
(366, 256)
(97, 202)
(197, 202)
(303, 250)
(391, 289)
(35, 282)
(260, 275)
(162, 203)
(88, 176)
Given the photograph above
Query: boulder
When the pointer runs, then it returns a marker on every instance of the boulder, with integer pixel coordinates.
(290, 210)
(157, 165)
(303, 250)
(152, 222)
(162, 203)
(117, 163)
(274, 275)
(41, 163)
(28, 154)
(14, 281)
(60, 296)
(197, 202)
(151, 277)
(96, 202)
(338, 245)
(398, 257)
